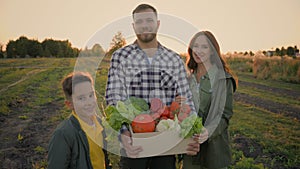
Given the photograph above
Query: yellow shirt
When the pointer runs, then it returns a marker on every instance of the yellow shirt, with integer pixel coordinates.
(95, 140)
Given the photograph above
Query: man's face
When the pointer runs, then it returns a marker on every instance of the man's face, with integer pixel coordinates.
(84, 99)
(145, 25)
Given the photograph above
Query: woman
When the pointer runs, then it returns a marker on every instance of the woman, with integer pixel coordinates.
(212, 84)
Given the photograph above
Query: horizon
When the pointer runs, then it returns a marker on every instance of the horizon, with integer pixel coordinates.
(183, 52)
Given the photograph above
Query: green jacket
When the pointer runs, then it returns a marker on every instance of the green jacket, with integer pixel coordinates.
(69, 148)
(213, 100)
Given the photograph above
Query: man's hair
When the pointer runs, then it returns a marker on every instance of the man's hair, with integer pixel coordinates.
(72, 79)
(142, 7)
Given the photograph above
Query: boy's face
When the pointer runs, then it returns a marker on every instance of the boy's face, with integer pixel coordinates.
(84, 100)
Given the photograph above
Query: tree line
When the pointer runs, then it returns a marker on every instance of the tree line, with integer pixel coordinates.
(31, 48)
(289, 51)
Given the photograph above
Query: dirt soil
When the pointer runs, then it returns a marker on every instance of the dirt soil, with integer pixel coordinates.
(30, 149)
(269, 105)
(23, 142)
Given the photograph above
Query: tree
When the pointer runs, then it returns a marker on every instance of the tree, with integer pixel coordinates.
(24, 47)
(51, 47)
(11, 49)
(118, 42)
(265, 52)
(277, 52)
(97, 50)
(34, 48)
(21, 46)
(282, 51)
(290, 51)
(296, 50)
(1, 51)
(251, 53)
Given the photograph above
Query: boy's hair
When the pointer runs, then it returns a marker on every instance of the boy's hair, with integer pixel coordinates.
(142, 7)
(72, 79)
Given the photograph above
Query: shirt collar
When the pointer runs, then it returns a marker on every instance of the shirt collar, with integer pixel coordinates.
(137, 47)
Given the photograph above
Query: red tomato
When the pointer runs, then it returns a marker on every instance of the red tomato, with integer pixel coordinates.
(182, 116)
(166, 112)
(155, 116)
(155, 105)
(175, 107)
(185, 108)
(143, 123)
(171, 116)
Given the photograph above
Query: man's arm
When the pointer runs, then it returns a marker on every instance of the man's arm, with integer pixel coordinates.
(115, 89)
(184, 88)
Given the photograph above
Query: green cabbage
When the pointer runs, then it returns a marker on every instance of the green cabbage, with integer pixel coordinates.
(138, 103)
(190, 126)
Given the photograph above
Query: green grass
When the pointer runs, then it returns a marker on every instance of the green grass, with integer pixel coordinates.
(40, 84)
(248, 77)
(269, 95)
(276, 133)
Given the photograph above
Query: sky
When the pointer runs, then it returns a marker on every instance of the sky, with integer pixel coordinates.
(239, 25)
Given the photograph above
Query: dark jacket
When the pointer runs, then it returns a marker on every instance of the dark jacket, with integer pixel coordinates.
(215, 152)
(69, 148)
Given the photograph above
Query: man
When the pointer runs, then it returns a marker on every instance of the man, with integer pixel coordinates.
(146, 69)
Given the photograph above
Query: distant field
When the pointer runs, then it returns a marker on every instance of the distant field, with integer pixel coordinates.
(265, 128)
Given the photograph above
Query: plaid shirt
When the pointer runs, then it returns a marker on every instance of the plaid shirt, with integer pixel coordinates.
(131, 74)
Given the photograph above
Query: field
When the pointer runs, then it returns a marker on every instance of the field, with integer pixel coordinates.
(265, 128)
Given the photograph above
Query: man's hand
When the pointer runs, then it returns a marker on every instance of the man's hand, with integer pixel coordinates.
(131, 151)
(180, 99)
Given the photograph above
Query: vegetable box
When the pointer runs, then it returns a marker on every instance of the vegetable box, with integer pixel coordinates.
(160, 143)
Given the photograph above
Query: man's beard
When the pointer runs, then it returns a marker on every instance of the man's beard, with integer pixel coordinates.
(145, 38)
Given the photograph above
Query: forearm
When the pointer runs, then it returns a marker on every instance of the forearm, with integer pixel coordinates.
(184, 90)
(227, 112)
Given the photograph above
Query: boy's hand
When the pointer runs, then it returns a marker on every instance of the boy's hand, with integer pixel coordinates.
(131, 151)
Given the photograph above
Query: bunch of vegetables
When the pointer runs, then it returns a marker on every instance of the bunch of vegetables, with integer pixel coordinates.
(125, 112)
(158, 116)
(160, 111)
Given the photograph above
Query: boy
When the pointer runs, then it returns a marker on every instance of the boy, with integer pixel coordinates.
(79, 141)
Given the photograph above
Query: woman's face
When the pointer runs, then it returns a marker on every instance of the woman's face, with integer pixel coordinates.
(201, 50)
